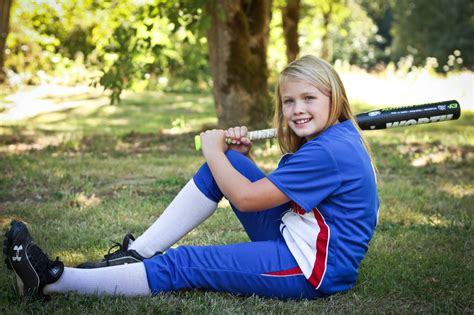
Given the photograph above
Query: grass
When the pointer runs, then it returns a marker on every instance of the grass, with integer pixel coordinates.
(82, 176)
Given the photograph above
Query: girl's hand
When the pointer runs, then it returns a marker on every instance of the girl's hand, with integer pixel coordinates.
(213, 141)
(239, 140)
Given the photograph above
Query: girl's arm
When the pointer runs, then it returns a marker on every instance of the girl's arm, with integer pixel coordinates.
(245, 195)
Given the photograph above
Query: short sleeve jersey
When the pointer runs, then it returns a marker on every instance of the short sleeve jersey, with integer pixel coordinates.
(334, 205)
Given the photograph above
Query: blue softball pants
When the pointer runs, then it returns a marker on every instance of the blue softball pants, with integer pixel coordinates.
(264, 266)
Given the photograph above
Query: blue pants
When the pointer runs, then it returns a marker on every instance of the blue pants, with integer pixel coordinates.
(264, 266)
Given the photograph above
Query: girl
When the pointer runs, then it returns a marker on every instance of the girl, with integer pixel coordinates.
(309, 221)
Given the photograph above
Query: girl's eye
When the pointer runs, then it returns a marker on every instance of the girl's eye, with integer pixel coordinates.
(309, 98)
(288, 102)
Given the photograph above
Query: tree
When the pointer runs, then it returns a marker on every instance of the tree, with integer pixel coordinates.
(438, 28)
(334, 12)
(237, 37)
(381, 13)
(237, 42)
(5, 6)
(290, 18)
(326, 51)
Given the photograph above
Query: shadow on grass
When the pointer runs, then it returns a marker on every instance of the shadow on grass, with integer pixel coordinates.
(18, 141)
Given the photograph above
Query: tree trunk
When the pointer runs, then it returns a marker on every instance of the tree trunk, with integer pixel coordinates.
(5, 6)
(290, 17)
(237, 40)
(326, 51)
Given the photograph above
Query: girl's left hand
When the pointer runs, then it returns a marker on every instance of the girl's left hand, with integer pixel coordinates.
(213, 141)
(238, 139)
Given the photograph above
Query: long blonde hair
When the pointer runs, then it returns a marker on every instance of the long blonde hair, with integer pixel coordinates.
(322, 75)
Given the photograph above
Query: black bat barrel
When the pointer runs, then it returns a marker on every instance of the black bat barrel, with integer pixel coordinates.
(409, 115)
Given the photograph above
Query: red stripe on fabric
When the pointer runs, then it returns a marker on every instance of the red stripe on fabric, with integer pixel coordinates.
(282, 273)
(296, 208)
(322, 241)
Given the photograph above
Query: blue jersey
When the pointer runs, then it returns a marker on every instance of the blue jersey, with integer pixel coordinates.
(332, 185)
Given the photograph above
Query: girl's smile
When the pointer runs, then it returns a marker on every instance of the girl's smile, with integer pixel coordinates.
(305, 107)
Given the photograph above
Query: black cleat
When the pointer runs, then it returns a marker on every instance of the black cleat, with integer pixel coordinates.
(121, 256)
(32, 267)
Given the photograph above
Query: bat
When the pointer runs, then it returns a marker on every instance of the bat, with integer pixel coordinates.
(384, 118)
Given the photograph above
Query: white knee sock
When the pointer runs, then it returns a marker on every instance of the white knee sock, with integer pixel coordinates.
(126, 280)
(187, 210)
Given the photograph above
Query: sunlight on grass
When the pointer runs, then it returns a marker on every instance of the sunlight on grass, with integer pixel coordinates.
(5, 221)
(426, 153)
(70, 257)
(410, 216)
(458, 190)
(118, 122)
(40, 143)
(224, 203)
(82, 200)
(33, 101)
(145, 112)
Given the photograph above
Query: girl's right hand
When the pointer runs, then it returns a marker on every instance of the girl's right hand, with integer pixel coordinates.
(239, 141)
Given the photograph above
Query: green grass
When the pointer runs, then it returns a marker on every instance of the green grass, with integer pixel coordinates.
(80, 177)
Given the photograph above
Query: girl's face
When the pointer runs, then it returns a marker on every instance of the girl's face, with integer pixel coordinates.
(305, 107)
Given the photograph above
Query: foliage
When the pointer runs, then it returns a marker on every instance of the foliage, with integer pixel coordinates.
(133, 52)
(440, 29)
(354, 42)
(123, 44)
(350, 29)
(381, 13)
(161, 45)
(46, 36)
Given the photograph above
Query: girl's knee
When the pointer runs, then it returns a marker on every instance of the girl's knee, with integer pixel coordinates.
(204, 179)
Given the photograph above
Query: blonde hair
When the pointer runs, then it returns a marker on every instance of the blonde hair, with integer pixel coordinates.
(322, 75)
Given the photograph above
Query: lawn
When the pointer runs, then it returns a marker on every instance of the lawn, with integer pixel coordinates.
(85, 175)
